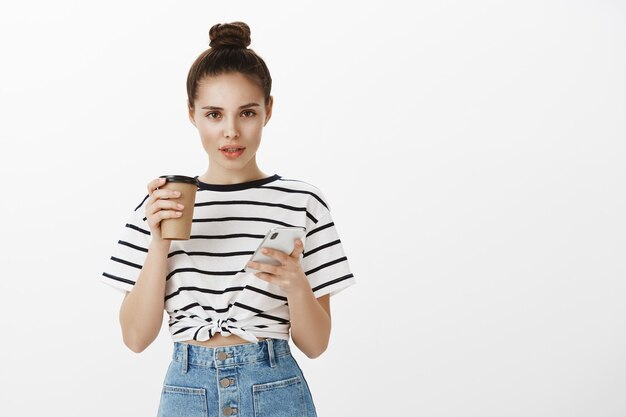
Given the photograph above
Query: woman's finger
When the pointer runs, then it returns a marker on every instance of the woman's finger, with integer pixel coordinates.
(160, 205)
(281, 257)
(298, 249)
(169, 214)
(154, 184)
(164, 194)
(152, 187)
(263, 267)
(266, 277)
(161, 194)
(160, 215)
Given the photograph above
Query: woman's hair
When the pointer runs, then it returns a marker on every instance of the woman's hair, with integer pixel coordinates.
(228, 53)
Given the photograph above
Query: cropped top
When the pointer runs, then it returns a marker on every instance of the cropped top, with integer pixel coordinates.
(207, 290)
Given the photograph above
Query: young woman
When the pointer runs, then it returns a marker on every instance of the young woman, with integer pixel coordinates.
(231, 328)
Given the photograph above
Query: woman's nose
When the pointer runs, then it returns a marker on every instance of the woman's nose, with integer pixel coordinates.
(231, 130)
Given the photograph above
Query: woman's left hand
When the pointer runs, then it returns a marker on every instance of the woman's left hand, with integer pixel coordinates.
(289, 275)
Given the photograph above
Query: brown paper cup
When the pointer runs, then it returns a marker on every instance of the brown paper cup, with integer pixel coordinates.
(180, 228)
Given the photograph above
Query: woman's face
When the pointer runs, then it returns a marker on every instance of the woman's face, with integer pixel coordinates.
(230, 113)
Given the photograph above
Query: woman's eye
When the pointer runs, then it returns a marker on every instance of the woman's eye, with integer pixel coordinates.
(212, 115)
(248, 113)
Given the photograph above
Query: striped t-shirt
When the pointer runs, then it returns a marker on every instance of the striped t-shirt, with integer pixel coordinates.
(207, 290)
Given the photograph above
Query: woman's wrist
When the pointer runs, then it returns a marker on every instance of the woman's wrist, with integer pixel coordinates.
(160, 245)
(300, 288)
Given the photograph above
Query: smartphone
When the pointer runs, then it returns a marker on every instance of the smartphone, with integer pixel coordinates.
(279, 238)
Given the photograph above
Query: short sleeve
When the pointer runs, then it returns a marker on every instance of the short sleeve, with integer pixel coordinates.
(324, 261)
(122, 269)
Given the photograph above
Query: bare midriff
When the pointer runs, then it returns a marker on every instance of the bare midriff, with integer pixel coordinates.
(219, 340)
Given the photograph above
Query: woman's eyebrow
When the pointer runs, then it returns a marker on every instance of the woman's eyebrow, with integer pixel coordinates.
(240, 107)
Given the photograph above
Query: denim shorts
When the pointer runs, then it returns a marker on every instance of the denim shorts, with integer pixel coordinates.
(249, 380)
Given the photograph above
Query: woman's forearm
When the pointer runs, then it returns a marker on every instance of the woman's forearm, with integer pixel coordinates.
(310, 322)
(141, 314)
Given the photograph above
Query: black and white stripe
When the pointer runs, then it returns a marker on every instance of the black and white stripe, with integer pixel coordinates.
(207, 290)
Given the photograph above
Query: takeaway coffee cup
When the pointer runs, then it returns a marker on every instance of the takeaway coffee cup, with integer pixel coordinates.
(180, 228)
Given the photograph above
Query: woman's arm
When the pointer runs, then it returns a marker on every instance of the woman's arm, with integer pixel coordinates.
(310, 322)
(309, 316)
(141, 314)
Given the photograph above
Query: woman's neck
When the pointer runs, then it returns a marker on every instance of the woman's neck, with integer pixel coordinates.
(214, 176)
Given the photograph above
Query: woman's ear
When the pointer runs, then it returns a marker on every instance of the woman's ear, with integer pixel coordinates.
(268, 110)
(191, 117)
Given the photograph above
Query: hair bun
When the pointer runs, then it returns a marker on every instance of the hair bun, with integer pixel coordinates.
(229, 35)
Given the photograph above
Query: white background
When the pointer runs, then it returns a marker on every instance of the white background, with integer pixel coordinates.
(473, 154)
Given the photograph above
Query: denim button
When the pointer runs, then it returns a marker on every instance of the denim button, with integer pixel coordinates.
(229, 411)
(224, 382)
(222, 355)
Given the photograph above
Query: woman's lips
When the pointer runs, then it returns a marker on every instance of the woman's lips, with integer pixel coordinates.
(232, 152)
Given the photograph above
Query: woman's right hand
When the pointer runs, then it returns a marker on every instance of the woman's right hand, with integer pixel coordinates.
(159, 206)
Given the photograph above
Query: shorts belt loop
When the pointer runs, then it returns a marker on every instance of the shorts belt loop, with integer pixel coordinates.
(185, 357)
(270, 351)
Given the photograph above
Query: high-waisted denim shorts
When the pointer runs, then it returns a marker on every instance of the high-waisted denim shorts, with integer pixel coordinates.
(250, 380)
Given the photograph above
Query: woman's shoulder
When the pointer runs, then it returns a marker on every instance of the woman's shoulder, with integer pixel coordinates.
(298, 184)
(302, 186)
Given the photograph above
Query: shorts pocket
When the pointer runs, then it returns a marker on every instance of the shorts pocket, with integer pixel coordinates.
(284, 398)
(182, 402)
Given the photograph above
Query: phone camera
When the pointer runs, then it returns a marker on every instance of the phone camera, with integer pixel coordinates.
(274, 235)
